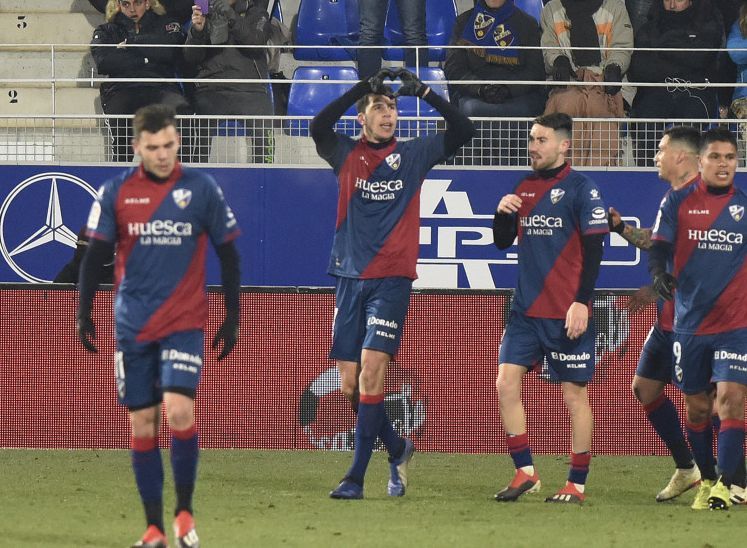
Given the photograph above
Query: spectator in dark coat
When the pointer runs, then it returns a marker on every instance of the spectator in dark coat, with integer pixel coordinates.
(232, 22)
(494, 28)
(690, 25)
(179, 10)
(136, 23)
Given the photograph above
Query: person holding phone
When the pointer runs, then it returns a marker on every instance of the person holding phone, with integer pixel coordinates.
(233, 23)
(134, 26)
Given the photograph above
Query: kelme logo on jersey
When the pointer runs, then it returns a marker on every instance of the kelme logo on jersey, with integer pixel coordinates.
(182, 197)
(594, 194)
(393, 160)
(737, 212)
(556, 194)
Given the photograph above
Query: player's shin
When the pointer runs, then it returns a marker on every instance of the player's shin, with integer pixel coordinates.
(148, 469)
(184, 458)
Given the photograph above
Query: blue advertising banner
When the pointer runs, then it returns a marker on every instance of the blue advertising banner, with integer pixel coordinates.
(288, 216)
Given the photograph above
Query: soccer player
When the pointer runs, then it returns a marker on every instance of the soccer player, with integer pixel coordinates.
(375, 251)
(677, 162)
(560, 220)
(701, 228)
(160, 216)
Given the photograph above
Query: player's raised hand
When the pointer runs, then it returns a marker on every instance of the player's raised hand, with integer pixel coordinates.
(86, 331)
(615, 222)
(377, 81)
(411, 84)
(510, 203)
(228, 334)
(641, 299)
(664, 285)
(576, 320)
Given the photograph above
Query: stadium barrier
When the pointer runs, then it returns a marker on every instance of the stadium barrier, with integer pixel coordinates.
(278, 389)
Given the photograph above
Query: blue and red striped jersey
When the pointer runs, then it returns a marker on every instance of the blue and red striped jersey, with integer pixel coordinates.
(378, 211)
(554, 214)
(161, 232)
(708, 232)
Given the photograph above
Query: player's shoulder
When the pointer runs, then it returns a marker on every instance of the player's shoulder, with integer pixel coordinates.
(112, 185)
(198, 180)
(580, 179)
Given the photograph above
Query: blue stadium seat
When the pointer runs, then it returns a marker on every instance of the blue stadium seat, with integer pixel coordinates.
(307, 99)
(408, 106)
(277, 11)
(325, 23)
(532, 7)
(440, 16)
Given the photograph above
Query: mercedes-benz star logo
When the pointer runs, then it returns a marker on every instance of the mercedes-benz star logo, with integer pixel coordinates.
(52, 229)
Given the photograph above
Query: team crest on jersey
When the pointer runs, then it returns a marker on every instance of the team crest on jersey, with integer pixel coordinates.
(737, 212)
(556, 194)
(483, 22)
(182, 197)
(393, 160)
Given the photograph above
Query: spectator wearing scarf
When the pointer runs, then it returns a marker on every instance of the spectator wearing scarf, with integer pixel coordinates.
(494, 28)
(599, 24)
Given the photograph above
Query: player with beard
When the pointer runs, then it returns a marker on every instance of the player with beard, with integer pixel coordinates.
(560, 220)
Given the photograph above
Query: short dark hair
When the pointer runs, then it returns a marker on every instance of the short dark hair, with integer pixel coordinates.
(558, 121)
(685, 136)
(362, 103)
(153, 119)
(717, 135)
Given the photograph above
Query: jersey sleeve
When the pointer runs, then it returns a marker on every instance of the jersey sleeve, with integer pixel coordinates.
(102, 222)
(335, 152)
(220, 223)
(665, 226)
(431, 149)
(592, 214)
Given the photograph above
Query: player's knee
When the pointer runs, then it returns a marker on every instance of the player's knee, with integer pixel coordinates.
(508, 389)
(731, 402)
(180, 418)
(698, 409)
(575, 399)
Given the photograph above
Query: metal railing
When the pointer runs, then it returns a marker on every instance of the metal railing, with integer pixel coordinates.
(282, 140)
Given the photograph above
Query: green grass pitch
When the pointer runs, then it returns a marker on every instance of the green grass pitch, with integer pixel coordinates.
(279, 498)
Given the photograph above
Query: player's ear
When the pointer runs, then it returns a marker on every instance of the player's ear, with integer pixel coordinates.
(135, 146)
(361, 118)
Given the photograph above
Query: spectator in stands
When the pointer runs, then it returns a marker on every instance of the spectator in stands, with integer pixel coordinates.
(738, 40)
(589, 24)
(232, 22)
(136, 23)
(727, 69)
(180, 10)
(373, 17)
(687, 25)
(638, 12)
(494, 27)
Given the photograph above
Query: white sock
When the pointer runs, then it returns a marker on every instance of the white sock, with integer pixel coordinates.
(579, 487)
(528, 470)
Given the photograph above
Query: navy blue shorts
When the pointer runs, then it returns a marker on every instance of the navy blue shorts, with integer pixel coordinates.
(656, 359)
(700, 360)
(526, 341)
(145, 370)
(368, 314)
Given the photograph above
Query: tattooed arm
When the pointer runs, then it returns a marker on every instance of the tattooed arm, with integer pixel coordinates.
(639, 237)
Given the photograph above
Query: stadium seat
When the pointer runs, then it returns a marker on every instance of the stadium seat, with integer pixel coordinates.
(277, 11)
(440, 16)
(307, 99)
(532, 7)
(408, 106)
(325, 23)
